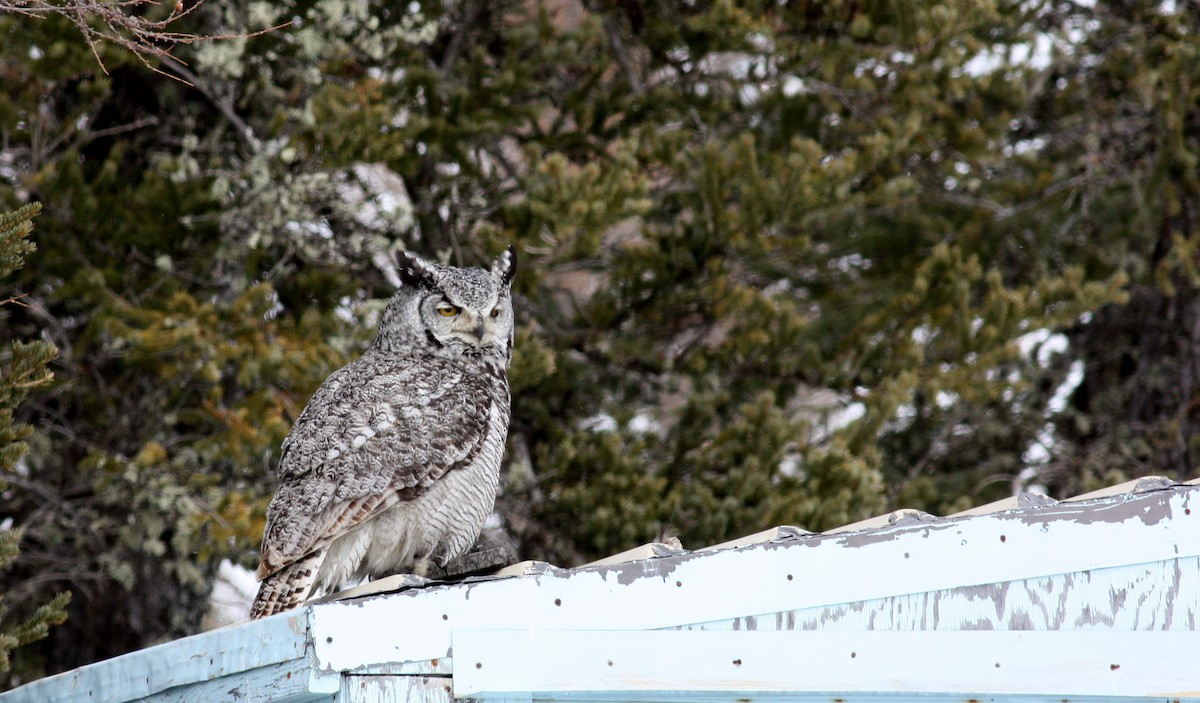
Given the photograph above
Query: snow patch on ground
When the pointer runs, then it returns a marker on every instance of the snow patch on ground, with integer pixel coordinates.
(233, 592)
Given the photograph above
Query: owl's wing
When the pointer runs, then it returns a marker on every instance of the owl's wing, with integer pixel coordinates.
(368, 439)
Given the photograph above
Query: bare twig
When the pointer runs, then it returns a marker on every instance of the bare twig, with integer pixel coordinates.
(124, 23)
(120, 129)
(243, 130)
(39, 489)
(622, 56)
(120, 22)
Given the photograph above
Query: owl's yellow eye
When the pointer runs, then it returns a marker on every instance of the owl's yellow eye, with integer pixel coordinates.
(448, 310)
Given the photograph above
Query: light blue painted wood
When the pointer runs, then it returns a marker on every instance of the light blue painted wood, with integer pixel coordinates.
(293, 681)
(191, 660)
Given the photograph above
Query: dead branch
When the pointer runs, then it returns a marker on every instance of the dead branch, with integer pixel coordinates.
(125, 23)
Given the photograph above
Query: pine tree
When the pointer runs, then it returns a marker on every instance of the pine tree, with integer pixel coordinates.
(1120, 130)
(25, 369)
(781, 263)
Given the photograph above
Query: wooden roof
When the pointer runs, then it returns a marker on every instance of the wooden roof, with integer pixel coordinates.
(1081, 600)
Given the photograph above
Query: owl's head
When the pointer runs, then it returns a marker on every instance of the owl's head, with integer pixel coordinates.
(451, 311)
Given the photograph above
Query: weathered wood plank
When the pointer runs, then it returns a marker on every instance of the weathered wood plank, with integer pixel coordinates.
(550, 665)
(1157, 596)
(190, 660)
(811, 572)
(1122, 572)
(288, 682)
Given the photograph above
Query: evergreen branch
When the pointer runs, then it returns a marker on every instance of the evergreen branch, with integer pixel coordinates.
(38, 625)
(26, 368)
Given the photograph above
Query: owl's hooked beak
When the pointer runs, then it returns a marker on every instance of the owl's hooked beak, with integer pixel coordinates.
(471, 328)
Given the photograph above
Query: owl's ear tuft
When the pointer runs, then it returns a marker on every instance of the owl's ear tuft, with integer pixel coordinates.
(414, 271)
(505, 266)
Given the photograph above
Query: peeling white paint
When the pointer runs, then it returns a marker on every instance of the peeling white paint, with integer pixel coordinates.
(396, 689)
(814, 572)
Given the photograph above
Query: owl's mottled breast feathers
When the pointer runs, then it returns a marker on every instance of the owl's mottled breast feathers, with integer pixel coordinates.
(397, 433)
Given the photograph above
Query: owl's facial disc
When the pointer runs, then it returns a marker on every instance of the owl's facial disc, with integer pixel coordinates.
(477, 327)
(471, 329)
(473, 320)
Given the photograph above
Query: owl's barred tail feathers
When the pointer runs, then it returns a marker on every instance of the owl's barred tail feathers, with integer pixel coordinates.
(287, 588)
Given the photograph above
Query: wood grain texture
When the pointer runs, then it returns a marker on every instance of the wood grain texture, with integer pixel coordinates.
(1154, 596)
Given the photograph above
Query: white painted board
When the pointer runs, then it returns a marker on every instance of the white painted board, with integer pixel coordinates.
(813, 572)
(497, 664)
(1161, 595)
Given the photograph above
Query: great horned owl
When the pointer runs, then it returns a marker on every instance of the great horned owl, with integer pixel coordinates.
(395, 461)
